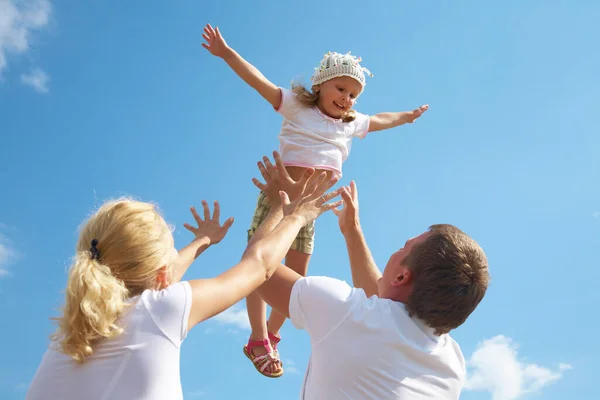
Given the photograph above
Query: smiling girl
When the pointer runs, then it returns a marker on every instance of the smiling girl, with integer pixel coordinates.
(318, 127)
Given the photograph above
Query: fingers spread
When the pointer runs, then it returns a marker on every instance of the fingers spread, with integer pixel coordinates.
(354, 190)
(259, 185)
(346, 195)
(217, 211)
(331, 195)
(263, 171)
(228, 223)
(195, 215)
(313, 184)
(306, 176)
(332, 206)
(280, 165)
(268, 164)
(211, 31)
(206, 210)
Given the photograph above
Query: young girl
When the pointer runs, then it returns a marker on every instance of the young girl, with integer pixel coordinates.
(318, 127)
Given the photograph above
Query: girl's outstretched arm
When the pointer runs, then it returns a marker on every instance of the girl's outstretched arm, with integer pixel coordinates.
(387, 120)
(215, 43)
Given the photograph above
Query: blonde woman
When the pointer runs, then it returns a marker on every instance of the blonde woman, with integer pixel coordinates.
(126, 311)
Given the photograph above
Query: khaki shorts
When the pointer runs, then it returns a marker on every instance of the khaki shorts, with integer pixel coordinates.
(305, 240)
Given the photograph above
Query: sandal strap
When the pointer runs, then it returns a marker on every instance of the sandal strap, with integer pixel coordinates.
(265, 360)
(260, 343)
(274, 339)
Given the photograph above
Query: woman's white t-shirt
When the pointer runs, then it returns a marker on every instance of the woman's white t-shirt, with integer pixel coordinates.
(142, 363)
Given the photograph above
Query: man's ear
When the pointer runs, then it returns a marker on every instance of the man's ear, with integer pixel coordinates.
(403, 277)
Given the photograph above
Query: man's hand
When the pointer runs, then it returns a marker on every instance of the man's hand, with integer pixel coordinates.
(411, 116)
(277, 179)
(208, 227)
(348, 215)
(307, 201)
(215, 43)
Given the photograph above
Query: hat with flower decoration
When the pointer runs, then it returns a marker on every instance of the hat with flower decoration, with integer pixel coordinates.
(334, 65)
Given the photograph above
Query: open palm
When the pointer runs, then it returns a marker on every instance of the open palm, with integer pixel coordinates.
(214, 41)
(304, 198)
(209, 227)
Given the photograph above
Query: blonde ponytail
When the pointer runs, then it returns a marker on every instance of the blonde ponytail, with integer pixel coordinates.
(120, 250)
(94, 300)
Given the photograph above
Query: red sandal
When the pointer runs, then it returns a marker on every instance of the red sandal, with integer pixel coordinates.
(274, 342)
(262, 362)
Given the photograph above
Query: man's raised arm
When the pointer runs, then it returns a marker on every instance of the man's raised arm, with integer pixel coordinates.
(365, 273)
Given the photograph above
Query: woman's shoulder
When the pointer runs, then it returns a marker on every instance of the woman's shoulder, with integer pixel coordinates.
(175, 295)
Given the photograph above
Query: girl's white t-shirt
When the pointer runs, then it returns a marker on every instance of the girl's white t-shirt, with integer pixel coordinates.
(309, 138)
(142, 363)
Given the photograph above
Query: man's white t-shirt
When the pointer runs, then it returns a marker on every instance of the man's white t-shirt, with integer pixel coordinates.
(142, 363)
(369, 348)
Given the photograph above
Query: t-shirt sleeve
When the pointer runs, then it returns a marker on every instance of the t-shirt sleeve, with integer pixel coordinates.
(361, 125)
(289, 104)
(170, 309)
(319, 304)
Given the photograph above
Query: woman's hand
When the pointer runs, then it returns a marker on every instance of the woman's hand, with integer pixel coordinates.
(304, 198)
(208, 227)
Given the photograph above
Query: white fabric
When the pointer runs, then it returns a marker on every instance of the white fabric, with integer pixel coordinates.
(369, 348)
(309, 138)
(142, 363)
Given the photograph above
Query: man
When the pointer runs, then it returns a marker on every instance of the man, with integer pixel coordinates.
(388, 337)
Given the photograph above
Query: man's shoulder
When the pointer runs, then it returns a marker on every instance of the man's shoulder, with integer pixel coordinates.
(325, 285)
(457, 355)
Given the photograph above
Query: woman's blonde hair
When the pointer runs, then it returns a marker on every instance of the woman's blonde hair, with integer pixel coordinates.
(311, 97)
(131, 243)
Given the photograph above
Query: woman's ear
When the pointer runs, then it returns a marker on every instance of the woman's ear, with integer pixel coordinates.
(163, 277)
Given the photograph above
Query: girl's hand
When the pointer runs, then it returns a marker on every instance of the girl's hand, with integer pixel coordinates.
(209, 228)
(214, 41)
(416, 113)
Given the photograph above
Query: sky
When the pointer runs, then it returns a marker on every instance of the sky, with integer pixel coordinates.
(104, 99)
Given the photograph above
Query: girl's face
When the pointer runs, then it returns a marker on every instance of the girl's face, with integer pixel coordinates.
(338, 95)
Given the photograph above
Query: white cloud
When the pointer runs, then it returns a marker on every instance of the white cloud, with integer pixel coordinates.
(37, 79)
(6, 256)
(290, 367)
(18, 20)
(7, 252)
(495, 367)
(21, 387)
(234, 316)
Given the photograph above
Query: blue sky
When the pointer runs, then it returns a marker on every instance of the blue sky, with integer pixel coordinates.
(108, 99)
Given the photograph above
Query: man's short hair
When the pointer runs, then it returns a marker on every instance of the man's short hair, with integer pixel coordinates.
(450, 277)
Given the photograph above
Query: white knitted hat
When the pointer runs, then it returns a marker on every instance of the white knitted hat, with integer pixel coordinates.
(334, 65)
